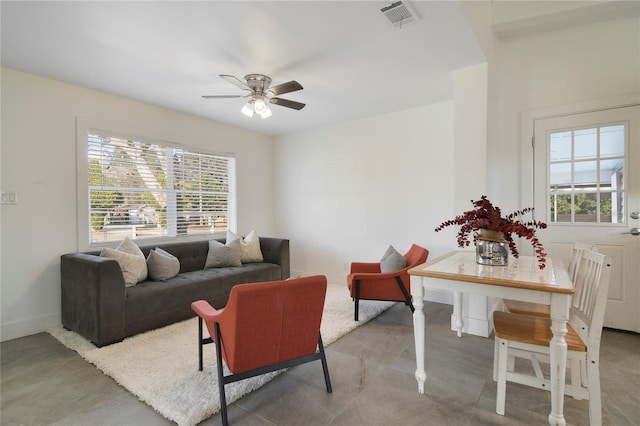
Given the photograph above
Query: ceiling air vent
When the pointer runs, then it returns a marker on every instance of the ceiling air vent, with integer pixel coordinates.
(399, 14)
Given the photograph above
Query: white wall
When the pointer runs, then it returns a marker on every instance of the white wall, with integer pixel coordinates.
(558, 67)
(470, 98)
(347, 191)
(39, 162)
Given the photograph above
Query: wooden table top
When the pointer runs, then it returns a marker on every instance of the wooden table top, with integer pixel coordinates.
(522, 272)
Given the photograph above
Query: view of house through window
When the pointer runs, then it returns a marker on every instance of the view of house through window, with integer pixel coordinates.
(144, 190)
(586, 175)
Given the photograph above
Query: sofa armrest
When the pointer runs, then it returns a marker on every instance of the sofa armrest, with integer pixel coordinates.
(93, 297)
(276, 250)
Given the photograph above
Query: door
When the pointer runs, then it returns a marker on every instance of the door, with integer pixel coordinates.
(586, 187)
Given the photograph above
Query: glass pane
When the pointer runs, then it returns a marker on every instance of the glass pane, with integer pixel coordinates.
(586, 207)
(605, 207)
(560, 146)
(132, 194)
(585, 172)
(586, 143)
(613, 206)
(560, 207)
(612, 141)
(560, 174)
(611, 173)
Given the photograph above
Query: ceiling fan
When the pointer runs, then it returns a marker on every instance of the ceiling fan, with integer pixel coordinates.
(261, 94)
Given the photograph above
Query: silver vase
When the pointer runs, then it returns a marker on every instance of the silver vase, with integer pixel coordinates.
(495, 253)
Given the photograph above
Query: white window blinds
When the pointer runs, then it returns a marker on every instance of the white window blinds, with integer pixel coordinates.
(145, 190)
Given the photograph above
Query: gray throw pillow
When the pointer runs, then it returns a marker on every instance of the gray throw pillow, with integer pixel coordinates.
(221, 255)
(392, 261)
(162, 265)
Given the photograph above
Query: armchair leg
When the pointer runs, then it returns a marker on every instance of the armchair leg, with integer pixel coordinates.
(200, 343)
(405, 293)
(356, 300)
(223, 399)
(325, 367)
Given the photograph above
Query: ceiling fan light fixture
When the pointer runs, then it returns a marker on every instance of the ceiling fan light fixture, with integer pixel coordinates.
(262, 94)
(260, 106)
(266, 113)
(248, 109)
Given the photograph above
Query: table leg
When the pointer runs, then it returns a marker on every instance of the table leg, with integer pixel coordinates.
(457, 311)
(417, 291)
(558, 357)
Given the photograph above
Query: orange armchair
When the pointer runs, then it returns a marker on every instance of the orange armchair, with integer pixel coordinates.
(265, 327)
(367, 282)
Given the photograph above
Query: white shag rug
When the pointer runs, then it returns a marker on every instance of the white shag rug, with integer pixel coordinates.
(160, 367)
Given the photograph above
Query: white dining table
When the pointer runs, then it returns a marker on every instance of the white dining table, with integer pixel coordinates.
(521, 279)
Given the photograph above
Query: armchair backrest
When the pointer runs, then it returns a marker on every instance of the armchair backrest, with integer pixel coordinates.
(416, 255)
(271, 322)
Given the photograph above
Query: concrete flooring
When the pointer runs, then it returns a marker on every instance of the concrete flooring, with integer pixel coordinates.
(372, 372)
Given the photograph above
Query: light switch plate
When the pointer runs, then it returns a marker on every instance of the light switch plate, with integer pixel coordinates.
(9, 197)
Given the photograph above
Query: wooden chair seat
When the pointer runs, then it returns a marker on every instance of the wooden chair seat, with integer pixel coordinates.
(534, 330)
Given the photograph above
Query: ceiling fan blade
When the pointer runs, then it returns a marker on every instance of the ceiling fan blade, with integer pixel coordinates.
(235, 81)
(223, 96)
(290, 86)
(287, 103)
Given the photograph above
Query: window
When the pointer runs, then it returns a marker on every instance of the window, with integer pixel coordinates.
(147, 189)
(586, 175)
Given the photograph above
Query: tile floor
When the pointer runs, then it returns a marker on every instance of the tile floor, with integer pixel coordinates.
(372, 372)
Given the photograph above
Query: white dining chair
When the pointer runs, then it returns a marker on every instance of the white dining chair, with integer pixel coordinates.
(539, 309)
(527, 336)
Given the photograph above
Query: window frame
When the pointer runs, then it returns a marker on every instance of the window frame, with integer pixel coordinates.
(573, 188)
(84, 127)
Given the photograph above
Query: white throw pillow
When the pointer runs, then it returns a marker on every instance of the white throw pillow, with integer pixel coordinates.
(392, 261)
(129, 264)
(221, 255)
(249, 246)
(162, 265)
(128, 246)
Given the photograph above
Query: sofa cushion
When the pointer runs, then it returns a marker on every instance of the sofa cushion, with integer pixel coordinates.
(192, 255)
(162, 265)
(154, 304)
(221, 255)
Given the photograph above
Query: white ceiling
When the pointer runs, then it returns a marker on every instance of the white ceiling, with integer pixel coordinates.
(350, 60)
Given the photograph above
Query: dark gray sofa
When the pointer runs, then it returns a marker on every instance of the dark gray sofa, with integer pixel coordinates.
(97, 305)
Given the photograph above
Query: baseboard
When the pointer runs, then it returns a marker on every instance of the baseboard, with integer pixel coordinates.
(26, 327)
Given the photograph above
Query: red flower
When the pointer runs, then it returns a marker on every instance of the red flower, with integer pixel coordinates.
(487, 216)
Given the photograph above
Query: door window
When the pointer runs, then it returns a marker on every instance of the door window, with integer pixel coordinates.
(587, 174)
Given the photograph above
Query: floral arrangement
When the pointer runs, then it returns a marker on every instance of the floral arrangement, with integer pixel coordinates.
(487, 217)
